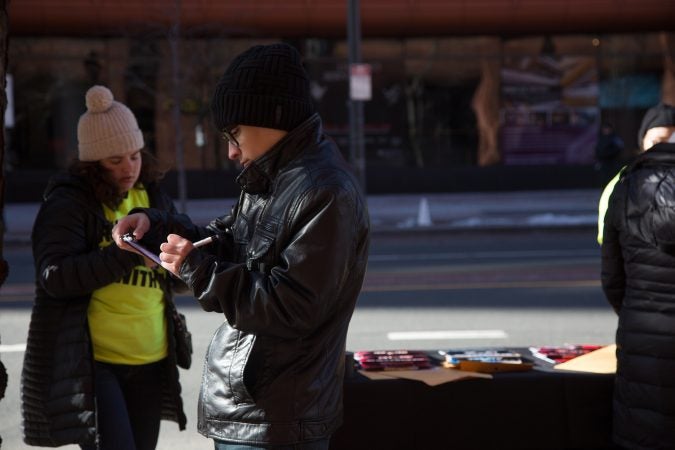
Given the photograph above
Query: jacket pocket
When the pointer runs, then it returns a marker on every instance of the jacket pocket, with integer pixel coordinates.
(260, 255)
(227, 359)
(256, 368)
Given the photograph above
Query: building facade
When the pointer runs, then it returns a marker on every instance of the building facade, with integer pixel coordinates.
(478, 95)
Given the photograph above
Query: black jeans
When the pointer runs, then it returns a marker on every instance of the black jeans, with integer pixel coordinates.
(128, 406)
(313, 445)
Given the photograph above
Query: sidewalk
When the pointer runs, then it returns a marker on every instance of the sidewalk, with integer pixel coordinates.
(410, 212)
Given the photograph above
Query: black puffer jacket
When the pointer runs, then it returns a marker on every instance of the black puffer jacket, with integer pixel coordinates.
(638, 277)
(286, 276)
(57, 387)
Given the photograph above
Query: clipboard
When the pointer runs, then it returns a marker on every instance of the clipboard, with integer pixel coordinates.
(131, 240)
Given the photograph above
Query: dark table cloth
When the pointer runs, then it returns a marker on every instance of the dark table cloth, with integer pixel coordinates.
(539, 409)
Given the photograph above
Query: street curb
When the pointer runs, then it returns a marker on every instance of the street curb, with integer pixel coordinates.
(24, 239)
(410, 213)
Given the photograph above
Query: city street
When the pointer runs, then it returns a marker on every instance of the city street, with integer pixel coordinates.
(482, 138)
(427, 290)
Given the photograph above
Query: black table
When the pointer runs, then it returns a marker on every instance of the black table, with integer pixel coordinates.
(539, 409)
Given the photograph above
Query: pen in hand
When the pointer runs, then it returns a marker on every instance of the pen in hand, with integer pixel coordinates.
(206, 241)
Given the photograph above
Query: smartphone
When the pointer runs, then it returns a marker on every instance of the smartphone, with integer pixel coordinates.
(131, 240)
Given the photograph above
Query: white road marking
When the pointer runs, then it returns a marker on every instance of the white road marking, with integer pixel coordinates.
(449, 334)
(12, 348)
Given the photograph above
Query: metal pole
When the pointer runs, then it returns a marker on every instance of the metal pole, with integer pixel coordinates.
(4, 43)
(356, 117)
(174, 37)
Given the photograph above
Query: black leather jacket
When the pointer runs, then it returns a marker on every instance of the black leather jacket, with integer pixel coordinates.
(638, 277)
(57, 381)
(286, 274)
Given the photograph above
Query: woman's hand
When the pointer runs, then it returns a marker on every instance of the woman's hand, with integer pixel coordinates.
(137, 224)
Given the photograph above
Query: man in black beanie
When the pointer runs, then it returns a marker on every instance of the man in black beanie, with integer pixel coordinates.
(265, 86)
(285, 267)
(638, 279)
(658, 125)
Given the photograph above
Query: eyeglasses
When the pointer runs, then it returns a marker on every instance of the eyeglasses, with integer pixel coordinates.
(228, 137)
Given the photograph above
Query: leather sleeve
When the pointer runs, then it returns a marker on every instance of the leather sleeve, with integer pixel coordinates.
(299, 290)
(165, 222)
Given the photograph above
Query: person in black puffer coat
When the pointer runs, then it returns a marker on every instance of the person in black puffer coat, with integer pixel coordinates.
(638, 278)
(100, 365)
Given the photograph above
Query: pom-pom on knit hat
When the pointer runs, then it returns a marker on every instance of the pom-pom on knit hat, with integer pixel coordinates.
(661, 115)
(265, 86)
(108, 128)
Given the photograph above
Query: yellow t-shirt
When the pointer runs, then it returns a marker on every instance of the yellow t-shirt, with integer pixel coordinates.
(126, 318)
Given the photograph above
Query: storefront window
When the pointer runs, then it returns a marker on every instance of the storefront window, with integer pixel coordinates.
(437, 102)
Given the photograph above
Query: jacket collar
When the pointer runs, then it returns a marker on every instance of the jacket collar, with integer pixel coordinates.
(663, 151)
(660, 154)
(258, 176)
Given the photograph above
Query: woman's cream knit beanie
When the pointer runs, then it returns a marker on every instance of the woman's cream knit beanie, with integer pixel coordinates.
(108, 128)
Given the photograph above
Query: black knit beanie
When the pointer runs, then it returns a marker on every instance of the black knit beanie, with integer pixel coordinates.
(265, 86)
(661, 115)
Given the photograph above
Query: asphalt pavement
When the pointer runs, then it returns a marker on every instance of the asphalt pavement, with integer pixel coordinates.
(409, 212)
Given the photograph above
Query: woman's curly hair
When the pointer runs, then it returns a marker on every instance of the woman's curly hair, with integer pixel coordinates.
(104, 189)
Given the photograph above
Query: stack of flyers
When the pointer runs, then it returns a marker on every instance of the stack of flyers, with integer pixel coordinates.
(486, 361)
(501, 356)
(560, 354)
(392, 360)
